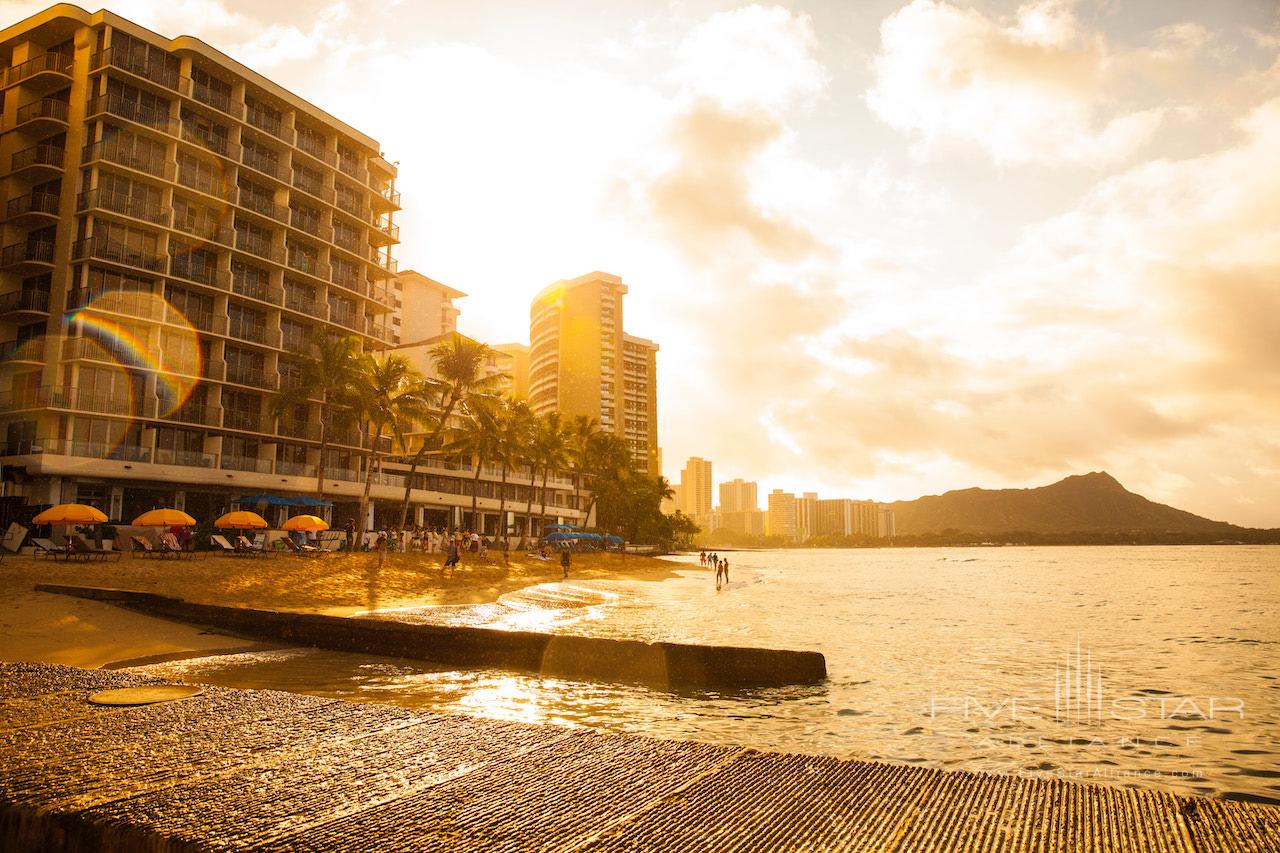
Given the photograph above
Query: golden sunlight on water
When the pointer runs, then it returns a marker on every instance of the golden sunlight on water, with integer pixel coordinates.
(1155, 667)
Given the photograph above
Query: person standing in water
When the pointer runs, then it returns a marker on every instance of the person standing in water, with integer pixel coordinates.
(724, 567)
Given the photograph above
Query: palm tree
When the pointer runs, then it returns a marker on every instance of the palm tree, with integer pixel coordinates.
(610, 466)
(459, 366)
(477, 436)
(550, 447)
(329, 374)
(388, 396)
(581, 430)
(513, 423)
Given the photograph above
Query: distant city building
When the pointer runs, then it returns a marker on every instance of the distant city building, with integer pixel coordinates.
(738, 496)
(806, 515)
(888, 524)
(516, 365)
(581, 362)
(749, 522)
(695, 487)
(782, 514)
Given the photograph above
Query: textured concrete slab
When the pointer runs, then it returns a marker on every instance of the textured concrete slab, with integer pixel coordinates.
(232, 769)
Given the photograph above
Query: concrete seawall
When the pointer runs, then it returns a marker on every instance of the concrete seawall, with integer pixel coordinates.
(236, 769)
(674, 666)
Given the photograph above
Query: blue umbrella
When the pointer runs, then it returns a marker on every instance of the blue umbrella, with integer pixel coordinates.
(559, 527)
(613, 540)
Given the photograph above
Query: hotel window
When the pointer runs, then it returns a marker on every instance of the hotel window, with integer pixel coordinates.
(245, 322)
(239, 447)
(199, 128)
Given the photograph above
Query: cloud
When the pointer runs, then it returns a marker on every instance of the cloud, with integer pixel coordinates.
(1036, 88)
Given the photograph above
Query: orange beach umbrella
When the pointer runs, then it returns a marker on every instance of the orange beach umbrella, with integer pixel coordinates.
(241, 519)
(306, 523)
(70, 514)
(164, 518)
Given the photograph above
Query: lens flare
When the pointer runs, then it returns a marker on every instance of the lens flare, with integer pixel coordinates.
(111, 321)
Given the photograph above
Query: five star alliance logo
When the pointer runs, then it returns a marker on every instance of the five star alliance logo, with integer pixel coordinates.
(1077, 688)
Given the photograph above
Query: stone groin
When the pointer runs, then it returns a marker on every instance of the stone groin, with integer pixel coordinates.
(672, 666)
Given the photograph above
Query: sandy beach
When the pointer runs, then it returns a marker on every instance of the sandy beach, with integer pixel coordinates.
(37, 626)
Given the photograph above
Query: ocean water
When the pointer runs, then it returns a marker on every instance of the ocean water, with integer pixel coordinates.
(1139, 666)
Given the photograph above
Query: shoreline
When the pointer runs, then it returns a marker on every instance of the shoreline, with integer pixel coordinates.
(47, 628)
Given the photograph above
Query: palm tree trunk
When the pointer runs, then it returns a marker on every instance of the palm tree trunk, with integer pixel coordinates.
(502, 502)
(475, 487)
(368, 473)
(422, 454)
(324, 447)
(528, 510)
(542, 512)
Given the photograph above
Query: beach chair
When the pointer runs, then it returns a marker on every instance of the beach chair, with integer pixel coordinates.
(46, 548)
(82, 550)
(169, 545)
(224, 547)
(244, 546)
(301, 550)
(142, 547)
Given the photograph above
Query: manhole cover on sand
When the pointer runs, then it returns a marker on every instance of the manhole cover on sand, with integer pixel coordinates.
(145, 695)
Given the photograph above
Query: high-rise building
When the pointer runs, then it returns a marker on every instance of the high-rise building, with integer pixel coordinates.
(581, 362)
(516, 365)
(844, 517)
(782, 514)
(433, 313)
(177, 231)
(738, 496)
(695, 488)
(806, 515)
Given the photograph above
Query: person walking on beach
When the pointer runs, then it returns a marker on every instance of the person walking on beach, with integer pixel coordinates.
(718, 572)
(724, 567)
(451, 560)
(564, 561)
(351, 535)
(702, 558)
(382, 549)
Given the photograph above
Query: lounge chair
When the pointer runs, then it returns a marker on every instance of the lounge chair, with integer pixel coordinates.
(46, 548)
(143, 547)
(82, 550)
(301, 550)
(254, 549)
(169, 545)
(224, 547)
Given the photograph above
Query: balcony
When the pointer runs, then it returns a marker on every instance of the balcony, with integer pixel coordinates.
(312, 187)
(349, 279)
(24, 302)
(294, 342)
(389, 230)
(263, 163)
(311, 226)
(138, 63)
(185, 267)
(349, 242)
(185, 458)
(352, 169)
(258, 246)
(305, 430)
(38, 204)
(245, 463)
(125, 205)
(56, 67)
(309, 305)
(130, 157)
(353, 205)
(203, 321)
(209, 230)
(294, 469)
(43, 117)
(268, 122)
(42, 156)
(31, 349)
(383, 296)
(211, 97)
(29, 254)
(313, 147)
(219, 145)
(379, 331)
(346, 319)
(387, 194)
(255, 289)
(140, 114)
(308, 264)
(264, 205)
(200, 414)
(106, 249)
(386, 263)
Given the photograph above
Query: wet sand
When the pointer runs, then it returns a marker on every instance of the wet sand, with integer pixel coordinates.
(47, 628)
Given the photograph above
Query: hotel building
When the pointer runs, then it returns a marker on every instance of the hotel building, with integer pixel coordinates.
(781, 520)
(695, 489)
(739, 496)
(177, 230)
(581, 362)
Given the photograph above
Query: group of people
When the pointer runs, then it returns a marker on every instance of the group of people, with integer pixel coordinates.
(427, 540)
(721, 566)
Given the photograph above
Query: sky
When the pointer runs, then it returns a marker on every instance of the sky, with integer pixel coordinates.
(887, 249)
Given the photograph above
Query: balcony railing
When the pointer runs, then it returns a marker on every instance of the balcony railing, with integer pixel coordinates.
(135, 112)
(29, 251)
(298, 429)
(351, 242)
(384, 262)
(264, 120)
(113, 152)
(345, 319)
(350, 279)
(352, 205)
(106, 249)
(186, 458)
(211, 97)
(36, 301)
(215, 369)
(259, 203)
(390, 229)
(31, 349)
(388, 194)
(196, 413)
(45, 108)
(46, 62)
(204, 321)
(294, 469)
(127, 205)
(245, 463)
(211, 141)
(139, 63)
(308, 264)
(34, 202)
(309, 305)
(312, 226)
(293, 342)
(237, 419)
(210, 229)
(38, 155)
(255, 244)
(315, 148)
(184, 266)
(312, 187)
(353, 169)
(263, 163)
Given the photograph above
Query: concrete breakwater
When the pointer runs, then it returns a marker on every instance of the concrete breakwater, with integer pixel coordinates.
(673, 666)
(237, 769)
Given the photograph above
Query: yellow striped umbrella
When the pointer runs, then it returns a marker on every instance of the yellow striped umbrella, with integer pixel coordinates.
(164, 518)
(306, 523)
(241, 519)
(71, 514)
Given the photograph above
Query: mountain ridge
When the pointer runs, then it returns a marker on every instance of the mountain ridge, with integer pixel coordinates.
(1095, 502)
